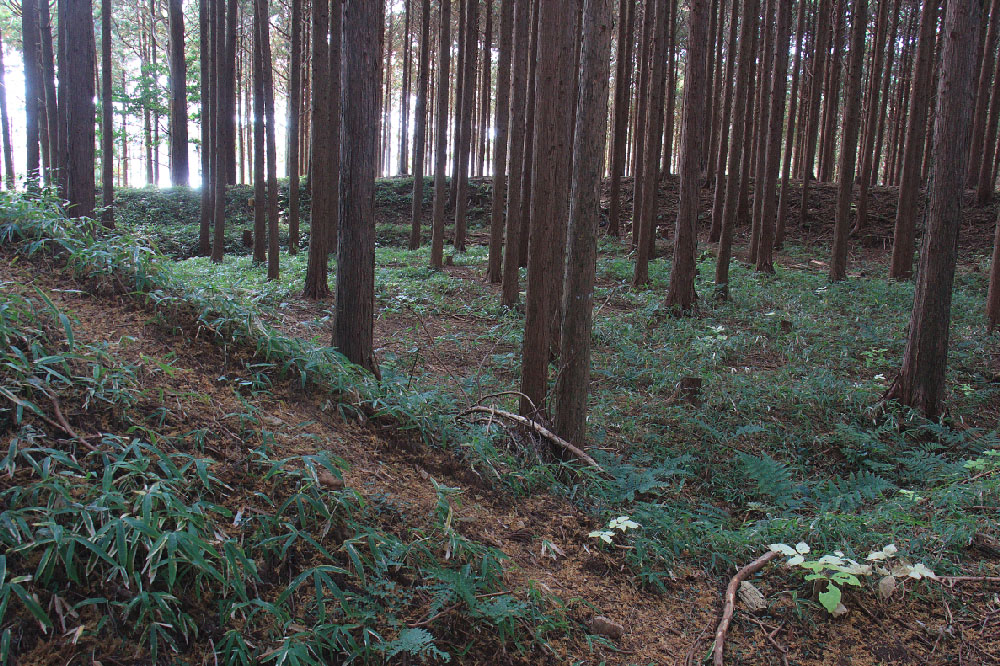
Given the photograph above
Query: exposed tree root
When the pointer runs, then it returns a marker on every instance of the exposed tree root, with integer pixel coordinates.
(730, 605)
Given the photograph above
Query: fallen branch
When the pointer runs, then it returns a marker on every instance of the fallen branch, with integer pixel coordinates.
(541, 430)
(730, 605)
(951, 580)
(61, 424)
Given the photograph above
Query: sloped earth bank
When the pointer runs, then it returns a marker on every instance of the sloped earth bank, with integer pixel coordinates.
(672, 627)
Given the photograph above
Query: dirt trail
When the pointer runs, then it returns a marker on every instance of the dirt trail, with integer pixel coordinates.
(660, 628)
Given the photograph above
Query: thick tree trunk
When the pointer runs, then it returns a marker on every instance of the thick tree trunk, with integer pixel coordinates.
(572, 386)
(107, 120)
(553, 117)
(681, 293)
(80, 185)
(420, 124)
(849, 141)
(178, 97)
(738, 147)
(361, 78)
(909, 185)
(921, 380)
(323, 220)
(510, 278)
(441, 148)
(494, 272)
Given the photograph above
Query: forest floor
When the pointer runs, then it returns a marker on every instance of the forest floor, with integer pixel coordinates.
(783, 445)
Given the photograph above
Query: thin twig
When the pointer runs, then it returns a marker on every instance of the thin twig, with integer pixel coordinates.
(730, 605)
(541, 430)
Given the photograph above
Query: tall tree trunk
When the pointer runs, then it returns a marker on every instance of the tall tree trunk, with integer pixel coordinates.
(404, 102)
(464, 147)
(57, 151)
(229, 110)
(323, 220)
(8, 149)
(738, 147)
(727, 113)
(33, 92)
(484, 96)
(267, 81)
(207, 126)
(527, 180)
(694, 133)
(572, 386)
(494, 272)
(871, 118)
(831, 110)
(984, 179)
(178, 97)
(653, 133)
(763, 125)
(772, 161)
(619, 134)
(921, 379)
(550, 194)
(420, 124)
(849, 140)
(354, 314)
(786, 167)
(259, 185)
(979, 114)
(510, 278)
(294, 111)
(107, 120)
(642, 111)
(916, 125)
(815, 91)
(441, 149)
(80, 184)
(891, 47)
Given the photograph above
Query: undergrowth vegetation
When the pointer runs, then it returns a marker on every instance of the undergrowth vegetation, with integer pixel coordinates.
(787, 442)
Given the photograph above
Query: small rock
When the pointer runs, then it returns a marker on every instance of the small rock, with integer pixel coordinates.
(329, 481)
(602, 626)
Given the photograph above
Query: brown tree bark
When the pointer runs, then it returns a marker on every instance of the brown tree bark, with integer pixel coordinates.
(510, 278)
(262, 16)
(420, 125)
(80, 185)
(681, 293)
(883, 119)
(51, 134)
(463, 150)
(550, 198)
(294, 131)
(772, 161)
(484, 90)
(793, 115)
(831, 109)
(648, 183)
(815, 91)
(178, 97)
(993, 295)
(871, 118)
(642, 114)
(207, 71)
(322, 178)
(8, 149)
(527, 180)
(979, 114)
(404, 101)
(229, 110)
(903, 243)
(441, 149)
(741, 105)
(572, 385)
(719, 195)
(107, 120)
(495, 264)
(259, 185)
(763, 125)
(33, 91)
(619, 134)
(921, 380)
(849, 141)
(355, 303)
(984, 179)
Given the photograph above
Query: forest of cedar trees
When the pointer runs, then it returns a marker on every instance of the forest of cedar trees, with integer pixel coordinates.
(500, 332)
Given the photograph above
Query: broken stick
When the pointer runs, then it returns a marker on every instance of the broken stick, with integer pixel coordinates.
(730, 605)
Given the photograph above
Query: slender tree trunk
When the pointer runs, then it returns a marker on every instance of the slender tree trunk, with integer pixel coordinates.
(741, 104)
(262, 20)
(80, 184)
(831, 111)
(550, 194)
(294, 111)
(979, 114)
(786, 167)
(57, 154)
(623, 83)
(642, 105)
(779, 83)
(107, 120)
(494, 273)
(727, 113)
(921, 380)
(891, 47)
(909, 186)
(763, 125)
(229, 110)
(993, 296)
(259, 185)
(527, 181)
(465, 129)
(420, 124)
(441, 149)
(572, 386)
(815, 90)
(694, 133)
(33, 91)
(207, 124)
(323, 220)
(484, 96)
(8, 149)
(868, 136)
(178, 97)
(404, 102)
(510, 278)
(849, 140)
(354, 314)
